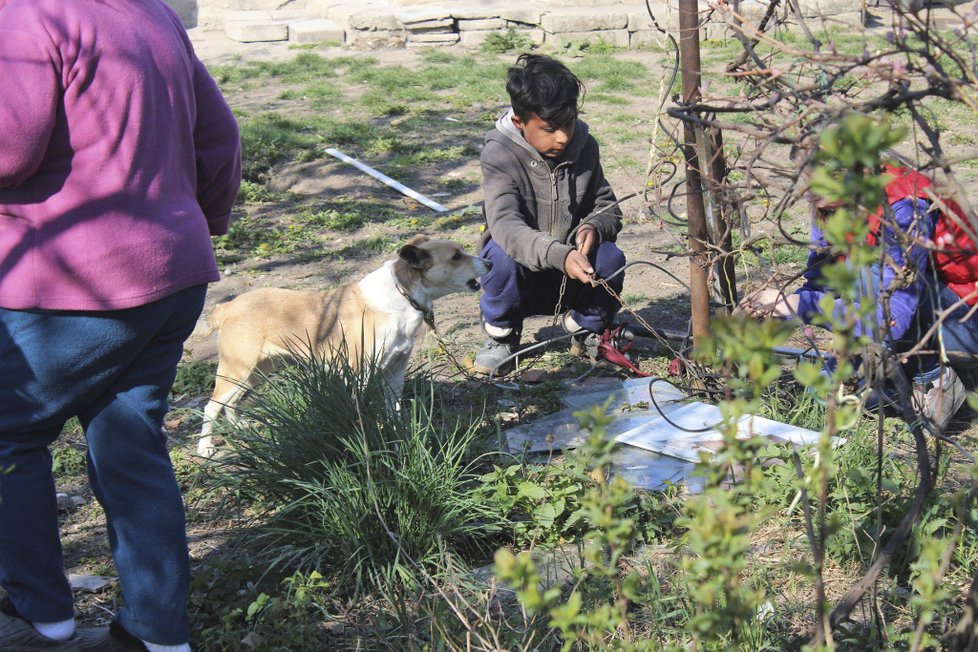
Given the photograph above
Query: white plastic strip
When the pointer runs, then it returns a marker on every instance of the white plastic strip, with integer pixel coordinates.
(380, 176)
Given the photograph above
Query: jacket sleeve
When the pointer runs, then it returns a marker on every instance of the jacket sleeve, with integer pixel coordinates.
(602, 205)
(507, 222)
(904, 301)
(218, 146)
(29, 95)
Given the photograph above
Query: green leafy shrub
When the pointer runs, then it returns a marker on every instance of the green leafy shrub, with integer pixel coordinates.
(542, 503)
(342, 485)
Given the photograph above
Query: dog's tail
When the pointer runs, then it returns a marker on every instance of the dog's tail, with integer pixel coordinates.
(217, 317)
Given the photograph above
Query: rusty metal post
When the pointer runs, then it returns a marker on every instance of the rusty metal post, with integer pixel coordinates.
(689, 62)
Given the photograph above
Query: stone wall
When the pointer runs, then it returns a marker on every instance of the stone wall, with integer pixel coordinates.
(447, 22)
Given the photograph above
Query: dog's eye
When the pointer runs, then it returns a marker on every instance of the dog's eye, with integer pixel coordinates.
(457, 256)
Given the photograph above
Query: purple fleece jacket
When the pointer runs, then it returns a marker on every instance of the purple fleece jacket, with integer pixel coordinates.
(905, 302)
(118, 156)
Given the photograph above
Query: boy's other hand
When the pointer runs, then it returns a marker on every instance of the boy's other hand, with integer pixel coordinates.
(587, 239)
(577, 266)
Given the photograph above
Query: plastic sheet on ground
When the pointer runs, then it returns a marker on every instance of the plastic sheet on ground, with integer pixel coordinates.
(658, 453)
(689, 431)
(633, 392)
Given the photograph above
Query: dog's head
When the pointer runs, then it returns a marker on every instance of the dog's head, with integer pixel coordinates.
(440, 266)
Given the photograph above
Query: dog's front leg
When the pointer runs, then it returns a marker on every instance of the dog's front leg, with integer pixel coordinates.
(395, 383)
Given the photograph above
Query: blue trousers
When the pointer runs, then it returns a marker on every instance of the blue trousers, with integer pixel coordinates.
(114, 371)
(511, 292)
(957, 336)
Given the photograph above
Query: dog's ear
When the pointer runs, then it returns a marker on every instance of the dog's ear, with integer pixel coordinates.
(415, 256)
(418, 239)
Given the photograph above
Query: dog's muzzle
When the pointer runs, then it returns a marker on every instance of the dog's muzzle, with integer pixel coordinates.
(473, 284)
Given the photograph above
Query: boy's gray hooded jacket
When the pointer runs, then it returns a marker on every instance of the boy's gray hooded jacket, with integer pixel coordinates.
(530, 209)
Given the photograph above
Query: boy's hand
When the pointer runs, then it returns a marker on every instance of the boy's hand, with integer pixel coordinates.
(577, 266)
(587, 238)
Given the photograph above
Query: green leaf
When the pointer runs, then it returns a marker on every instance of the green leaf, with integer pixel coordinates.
(531, 490)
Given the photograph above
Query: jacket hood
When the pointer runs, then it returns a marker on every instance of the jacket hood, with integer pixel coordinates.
(505, 126)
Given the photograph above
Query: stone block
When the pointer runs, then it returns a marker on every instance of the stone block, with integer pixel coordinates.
(476, 11)
(428, 25)
(473, 39)
(481, 24)
(253, 31)
(646, 38)
(376, 38)
(373, 20)
(582, 20)
(273, 15)
(522, 15)
(581, 3)
(617, 37)
(186, 9)
(422, 14)
(639, 19)
(450, 38)
(316, 30)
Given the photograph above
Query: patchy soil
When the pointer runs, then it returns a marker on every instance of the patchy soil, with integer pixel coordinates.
(652, 293)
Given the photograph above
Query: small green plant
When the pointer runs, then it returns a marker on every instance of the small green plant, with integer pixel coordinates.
(194, 377)
(67, 461)
(541, 503)
(256, 193)
(508, 41)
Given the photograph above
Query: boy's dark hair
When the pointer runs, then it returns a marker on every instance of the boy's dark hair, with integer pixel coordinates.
(544, 86)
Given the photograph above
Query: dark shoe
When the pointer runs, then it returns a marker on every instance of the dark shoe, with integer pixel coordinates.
(585, 344)
(18, 635)
(496, 357)
(940, 399)
(113, 638)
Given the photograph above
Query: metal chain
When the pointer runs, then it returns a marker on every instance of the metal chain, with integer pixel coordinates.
(560, 300)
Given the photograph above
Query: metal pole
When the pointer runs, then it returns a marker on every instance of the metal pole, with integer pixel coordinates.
(689, 61)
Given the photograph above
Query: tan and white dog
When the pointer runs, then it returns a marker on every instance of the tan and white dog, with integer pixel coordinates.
(376, 319)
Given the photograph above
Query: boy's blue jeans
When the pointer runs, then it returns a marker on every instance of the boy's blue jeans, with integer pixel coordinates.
(511, 292)
(114, 371)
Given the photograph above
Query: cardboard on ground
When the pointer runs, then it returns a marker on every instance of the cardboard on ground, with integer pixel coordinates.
(692, 432)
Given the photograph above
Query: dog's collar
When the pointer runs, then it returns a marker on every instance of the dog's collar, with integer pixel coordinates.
(428, 314)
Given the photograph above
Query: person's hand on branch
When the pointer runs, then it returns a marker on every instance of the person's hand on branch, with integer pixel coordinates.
(587, 239)
(769, 302)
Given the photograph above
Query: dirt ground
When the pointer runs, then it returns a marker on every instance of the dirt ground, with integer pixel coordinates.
(657, 298)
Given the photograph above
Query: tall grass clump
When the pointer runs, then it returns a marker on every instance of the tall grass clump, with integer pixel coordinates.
(342, 484)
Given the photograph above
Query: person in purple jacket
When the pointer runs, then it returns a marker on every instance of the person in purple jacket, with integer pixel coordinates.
(119, 158)
(938, 391)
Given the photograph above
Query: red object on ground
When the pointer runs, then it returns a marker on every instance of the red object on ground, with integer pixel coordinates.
(612, 347)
